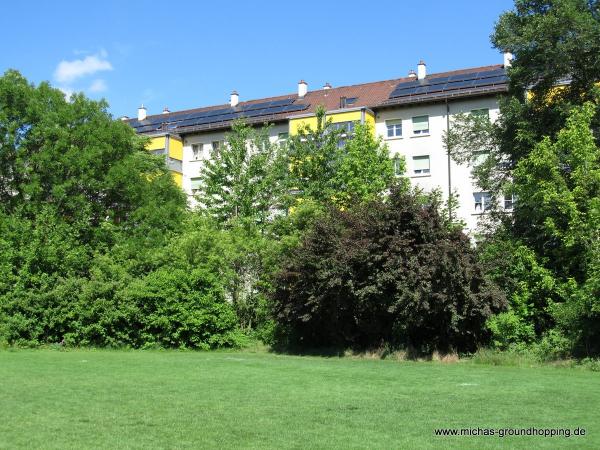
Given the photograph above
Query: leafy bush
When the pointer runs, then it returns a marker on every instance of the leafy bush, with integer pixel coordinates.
(508, 328)
(387, 272)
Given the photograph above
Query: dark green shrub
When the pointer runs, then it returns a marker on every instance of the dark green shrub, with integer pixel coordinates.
(385, 273)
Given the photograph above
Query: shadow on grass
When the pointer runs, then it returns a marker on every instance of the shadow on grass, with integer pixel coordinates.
(396, 354)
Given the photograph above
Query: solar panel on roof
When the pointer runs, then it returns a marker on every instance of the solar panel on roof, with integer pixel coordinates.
(461, 77)
(283, 102)
(490, 80)
(490, 73)
(460, 84)
(216, 116)
(439, 85)
(438, 80)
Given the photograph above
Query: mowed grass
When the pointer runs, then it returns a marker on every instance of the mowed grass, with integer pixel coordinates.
(169, 399)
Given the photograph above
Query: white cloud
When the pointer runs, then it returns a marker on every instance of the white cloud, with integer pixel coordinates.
(98, 85)
(69, 71)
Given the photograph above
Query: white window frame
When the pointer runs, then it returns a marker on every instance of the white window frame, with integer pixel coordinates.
(194, 190)
(197, 151)
(421, 171)
(216, 148)
(481, 112)
(511, 200)
(395, 127)
(423, 132)
(484, 201)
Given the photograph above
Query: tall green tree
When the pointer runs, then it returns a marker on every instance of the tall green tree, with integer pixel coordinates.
(336, 165)
(245, 178)
(544, 150)
(72, 157)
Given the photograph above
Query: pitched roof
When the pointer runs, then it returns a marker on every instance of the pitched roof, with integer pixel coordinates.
(378, 94)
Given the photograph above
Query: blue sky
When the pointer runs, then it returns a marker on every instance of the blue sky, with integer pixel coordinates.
(186, 54)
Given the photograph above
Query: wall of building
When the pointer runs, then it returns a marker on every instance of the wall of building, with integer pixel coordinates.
(411, 145)
(172, 149)
(356, 115)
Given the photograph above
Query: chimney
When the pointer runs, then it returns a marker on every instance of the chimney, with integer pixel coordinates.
(508, 57)
(327, 86)
(412, 74)
(302, 88)
(234, 99)
(142, 112)
(166, 110)
(421, 70)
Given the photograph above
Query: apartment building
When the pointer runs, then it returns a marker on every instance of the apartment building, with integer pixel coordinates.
(410, 113)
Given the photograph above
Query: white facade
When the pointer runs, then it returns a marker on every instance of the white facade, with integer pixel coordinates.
(414, 147)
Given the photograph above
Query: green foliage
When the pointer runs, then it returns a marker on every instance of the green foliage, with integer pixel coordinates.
(552, 40)
(387, 272)
(245, 178)
(330, 165)
(181, 308)
(544, 150)
(558, 186)
(364, 170)
(510, 328)
(85, 218)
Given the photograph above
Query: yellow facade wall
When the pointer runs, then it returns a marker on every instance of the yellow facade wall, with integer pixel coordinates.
(345, 116)
(178, 178)
(175, 148)
(156, 143)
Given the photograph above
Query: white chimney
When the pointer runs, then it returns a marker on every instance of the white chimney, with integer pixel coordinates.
(327, 86)
(234, 99)
(412, 74)
(508, 57)
(142, 112)
(302, 88)
(421, 70)
(166, 110)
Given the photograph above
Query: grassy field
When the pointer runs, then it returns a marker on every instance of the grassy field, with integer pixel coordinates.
(169, 399)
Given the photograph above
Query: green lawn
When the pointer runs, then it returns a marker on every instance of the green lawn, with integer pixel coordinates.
(169, 399)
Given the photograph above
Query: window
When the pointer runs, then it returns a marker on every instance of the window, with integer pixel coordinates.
(345, 127)
(394, 128)
(174, 165)
(196, 185)
(509, 202)
(483, 112)
(420, 125)
(282, 137)
(347, 101)
(158, 152)
(421, 165)
(197, 151)
(216, 146)
(398, 169)
(482, 201)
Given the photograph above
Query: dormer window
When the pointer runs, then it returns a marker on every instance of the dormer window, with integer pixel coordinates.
(345, 102)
